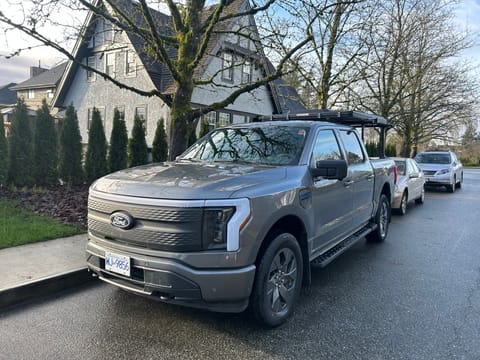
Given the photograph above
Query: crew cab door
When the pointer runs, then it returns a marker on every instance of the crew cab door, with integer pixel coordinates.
(361, 178)
(332, 201)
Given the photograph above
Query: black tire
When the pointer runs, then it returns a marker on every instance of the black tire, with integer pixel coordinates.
(278, 281)
(402, 210)
(421, 199)
(451, 188)
(459, 184)
(382, 220)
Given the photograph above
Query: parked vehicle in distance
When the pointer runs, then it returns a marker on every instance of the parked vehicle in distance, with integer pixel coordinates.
(410, 185)
(441, 168)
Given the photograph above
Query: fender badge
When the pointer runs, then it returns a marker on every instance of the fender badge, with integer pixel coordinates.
(121, 220)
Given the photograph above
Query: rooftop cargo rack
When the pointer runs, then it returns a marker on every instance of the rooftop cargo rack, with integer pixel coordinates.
(357, 119)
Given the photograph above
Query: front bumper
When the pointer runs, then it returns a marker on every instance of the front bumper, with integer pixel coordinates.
(438, 180)
(170, 280)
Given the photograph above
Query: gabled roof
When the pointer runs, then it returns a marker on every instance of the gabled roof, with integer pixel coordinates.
(285, 96)
(49, 78)
(7, 96)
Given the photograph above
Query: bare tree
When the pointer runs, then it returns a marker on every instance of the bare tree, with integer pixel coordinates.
(181, 44)
(410, 75)
(325, 67)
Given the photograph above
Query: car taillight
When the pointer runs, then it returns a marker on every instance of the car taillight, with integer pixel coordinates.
(395, 174)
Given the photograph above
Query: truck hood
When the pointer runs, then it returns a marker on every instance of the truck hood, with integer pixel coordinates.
(187, 181)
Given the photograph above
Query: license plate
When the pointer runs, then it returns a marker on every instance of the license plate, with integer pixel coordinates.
(117, 263)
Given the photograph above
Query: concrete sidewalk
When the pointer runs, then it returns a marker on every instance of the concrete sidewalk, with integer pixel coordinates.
(34, 270)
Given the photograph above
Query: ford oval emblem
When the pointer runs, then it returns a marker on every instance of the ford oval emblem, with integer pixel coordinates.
(121, 220)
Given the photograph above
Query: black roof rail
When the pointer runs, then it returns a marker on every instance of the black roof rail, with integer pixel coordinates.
(352, 118)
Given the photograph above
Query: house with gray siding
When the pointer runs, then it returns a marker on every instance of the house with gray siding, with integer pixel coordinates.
(122, 56)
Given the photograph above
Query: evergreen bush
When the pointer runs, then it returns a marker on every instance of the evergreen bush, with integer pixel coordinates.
(70, 149)
(137, 145)
(160, 146)
(45, 148)
(96, 156)
(117, 156)
(20, 148)
(204, 128)
(3, 154)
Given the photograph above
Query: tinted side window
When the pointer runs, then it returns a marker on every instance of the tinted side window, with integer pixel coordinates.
(326, 147)
(352, 147)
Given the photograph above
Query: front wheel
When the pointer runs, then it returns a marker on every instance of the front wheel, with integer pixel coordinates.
(451, 187)
(382, 220)
(278, 281)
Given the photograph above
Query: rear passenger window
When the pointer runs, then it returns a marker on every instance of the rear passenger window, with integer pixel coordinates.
(326, 147)
(352, 146)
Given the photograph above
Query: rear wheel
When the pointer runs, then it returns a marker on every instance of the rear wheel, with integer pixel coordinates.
(421, 199)
(278, 281)
(382, 220)
(402, 210)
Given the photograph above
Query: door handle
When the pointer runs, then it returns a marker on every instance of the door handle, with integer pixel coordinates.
(348, 183)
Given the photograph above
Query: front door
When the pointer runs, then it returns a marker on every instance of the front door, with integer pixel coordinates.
(332, 199)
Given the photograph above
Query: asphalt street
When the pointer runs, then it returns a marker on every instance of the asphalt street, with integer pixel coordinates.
(416, 296)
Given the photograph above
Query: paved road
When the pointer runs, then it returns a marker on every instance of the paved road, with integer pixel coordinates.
(417, 296)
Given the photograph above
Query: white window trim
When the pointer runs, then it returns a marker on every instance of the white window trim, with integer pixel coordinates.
(107, 56)
(130, 71)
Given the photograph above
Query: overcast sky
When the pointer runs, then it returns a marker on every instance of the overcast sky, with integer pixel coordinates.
(17, 69)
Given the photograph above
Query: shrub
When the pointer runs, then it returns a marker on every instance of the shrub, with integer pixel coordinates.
(117, 156)
(70, 149)
(20, 148)
(3, 154)
(96, 157)
(204, 129)
(160, 146)
(137, 146)
(45, 148)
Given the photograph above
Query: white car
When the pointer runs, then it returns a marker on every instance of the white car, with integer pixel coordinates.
(441, 168)
(409, 186)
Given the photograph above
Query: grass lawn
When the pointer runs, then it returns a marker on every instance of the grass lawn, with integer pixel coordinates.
(18, 227)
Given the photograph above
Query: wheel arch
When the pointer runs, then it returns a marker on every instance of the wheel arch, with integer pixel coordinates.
(293, 225)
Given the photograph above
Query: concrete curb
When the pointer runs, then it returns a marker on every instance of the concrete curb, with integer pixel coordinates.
(42, 287)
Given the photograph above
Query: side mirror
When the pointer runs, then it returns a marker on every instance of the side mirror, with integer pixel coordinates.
(330, 169)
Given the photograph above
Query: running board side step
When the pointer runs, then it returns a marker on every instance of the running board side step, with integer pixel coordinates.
(328, 256)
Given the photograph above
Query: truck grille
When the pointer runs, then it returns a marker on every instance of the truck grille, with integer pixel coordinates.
(156, 228)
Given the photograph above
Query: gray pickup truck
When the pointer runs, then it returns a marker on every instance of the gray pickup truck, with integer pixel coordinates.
(240, 216)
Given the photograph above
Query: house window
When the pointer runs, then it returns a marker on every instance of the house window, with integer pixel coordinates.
(224, 119)
(110, 64)
(91, 62)
(50, 93)
(130, 64)
(246, 72)
(227, 66)
(31, 94)
(101, 110)
(108, 31)
(141, 112)
(89, 118)
(121, 110)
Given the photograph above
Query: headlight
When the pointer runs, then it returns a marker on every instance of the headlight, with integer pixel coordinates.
(215, 222)
(443, 171)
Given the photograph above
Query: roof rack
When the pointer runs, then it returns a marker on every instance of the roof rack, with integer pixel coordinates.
(352, 118)
(355, 119)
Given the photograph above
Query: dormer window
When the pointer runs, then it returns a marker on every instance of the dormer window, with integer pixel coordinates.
(227, 66)
(110, 64)
(130, 64)
(247, 72)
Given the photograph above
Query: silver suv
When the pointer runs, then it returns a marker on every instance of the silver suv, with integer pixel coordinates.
(441, 168)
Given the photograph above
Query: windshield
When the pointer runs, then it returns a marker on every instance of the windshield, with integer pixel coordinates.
(433, 158)
(269, 145)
